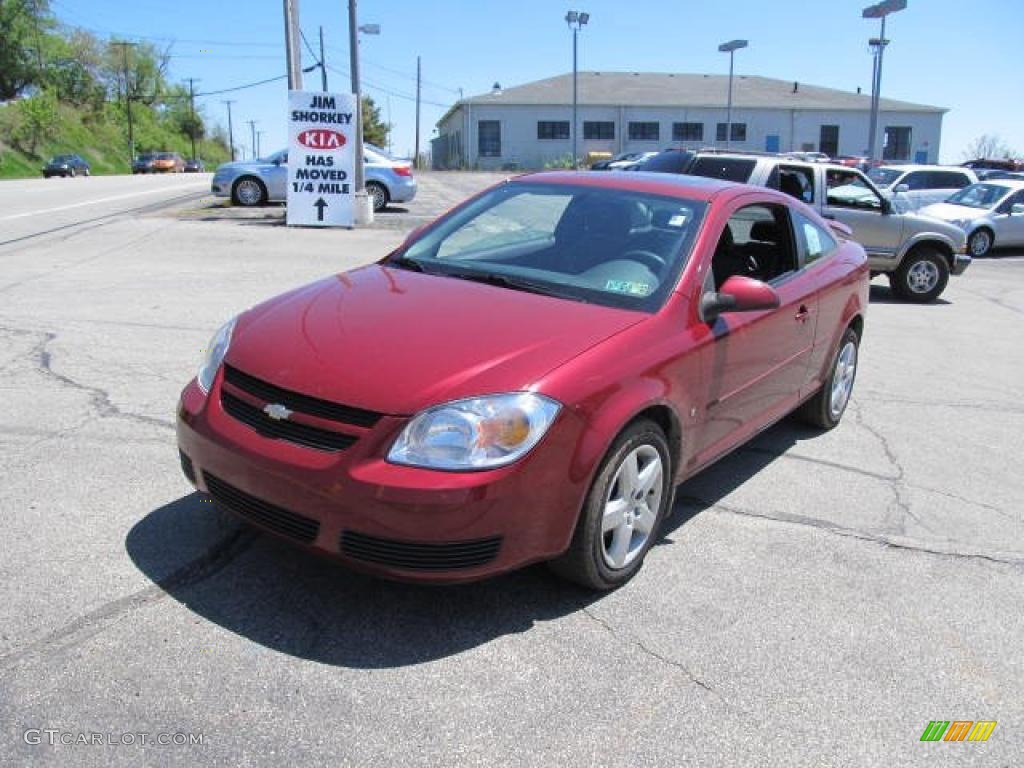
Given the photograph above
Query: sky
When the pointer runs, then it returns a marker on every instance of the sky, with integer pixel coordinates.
(947, 53)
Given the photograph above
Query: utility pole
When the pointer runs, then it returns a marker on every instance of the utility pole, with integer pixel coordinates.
(292, 50)
(231, 130)
(252, 146)
(192, 110)
(416, 162)
(127, 97)
(323, 62)
(259, 136)
(359, 187)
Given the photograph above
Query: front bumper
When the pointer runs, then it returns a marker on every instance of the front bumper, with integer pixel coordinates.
(961, 261)
(400, 522)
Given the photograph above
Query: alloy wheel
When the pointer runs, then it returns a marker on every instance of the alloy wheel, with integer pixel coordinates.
(842, 379)
(631, 506)
(922, 277)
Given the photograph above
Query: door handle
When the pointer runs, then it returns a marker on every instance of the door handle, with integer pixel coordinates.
(802, 314)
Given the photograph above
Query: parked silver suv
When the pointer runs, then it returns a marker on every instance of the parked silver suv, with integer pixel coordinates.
(918, 252)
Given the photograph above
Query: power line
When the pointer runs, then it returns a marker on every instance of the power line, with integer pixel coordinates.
(243, 87)
(382, 89)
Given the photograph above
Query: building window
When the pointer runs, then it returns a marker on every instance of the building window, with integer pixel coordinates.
(897, 143)
(599, 129)
(687, 131)
(739, 132)
(552, 129)
(644, 131)
(489, 138)
(828, 140)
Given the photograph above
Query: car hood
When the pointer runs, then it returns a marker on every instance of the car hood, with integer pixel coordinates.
(396, 341)
(951, 212)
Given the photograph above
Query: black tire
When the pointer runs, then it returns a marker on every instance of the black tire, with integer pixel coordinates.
(980, 242)
(922, 276)
(379, 194)
(819, 410)
(248, 191)
(585, 561)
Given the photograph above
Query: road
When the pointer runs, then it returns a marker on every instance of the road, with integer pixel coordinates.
(815, 599)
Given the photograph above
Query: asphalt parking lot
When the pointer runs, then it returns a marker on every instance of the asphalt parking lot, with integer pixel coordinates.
(814, 600)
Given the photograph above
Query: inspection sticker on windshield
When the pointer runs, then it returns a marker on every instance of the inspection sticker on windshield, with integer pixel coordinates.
(627, 286)
(679, 220)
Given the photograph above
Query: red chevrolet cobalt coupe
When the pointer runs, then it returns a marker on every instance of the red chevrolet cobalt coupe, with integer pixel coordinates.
(528, 377)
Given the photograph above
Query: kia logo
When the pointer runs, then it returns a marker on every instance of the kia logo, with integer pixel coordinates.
(322, 138)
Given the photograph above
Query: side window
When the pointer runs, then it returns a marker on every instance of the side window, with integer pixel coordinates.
(849, 189)
(797, 182)
(916, 180)
(1011, 201)
(756, 242)
(814, 241)
(948, 180)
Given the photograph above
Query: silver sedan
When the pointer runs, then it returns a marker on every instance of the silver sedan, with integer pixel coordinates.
(991, 213)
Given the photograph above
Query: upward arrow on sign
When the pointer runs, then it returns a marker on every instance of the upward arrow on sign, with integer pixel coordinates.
(320, 205)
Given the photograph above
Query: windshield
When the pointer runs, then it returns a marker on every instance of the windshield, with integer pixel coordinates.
(606, 246)
(980, 195)
(884, 177)
(63, 159)
(667, 162)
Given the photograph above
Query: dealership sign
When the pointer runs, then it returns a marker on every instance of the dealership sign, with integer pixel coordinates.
(321, 131)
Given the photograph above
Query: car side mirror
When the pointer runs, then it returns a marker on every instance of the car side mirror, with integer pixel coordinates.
(901, 188)
(1017, 209)
(738, 294)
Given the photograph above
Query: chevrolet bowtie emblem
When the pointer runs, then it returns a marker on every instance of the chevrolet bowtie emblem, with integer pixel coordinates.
(276, 411)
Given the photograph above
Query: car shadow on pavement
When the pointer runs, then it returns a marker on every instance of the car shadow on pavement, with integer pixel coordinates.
(292, 602)
(882, 294)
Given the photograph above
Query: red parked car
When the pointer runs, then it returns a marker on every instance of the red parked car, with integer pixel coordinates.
(528, 377)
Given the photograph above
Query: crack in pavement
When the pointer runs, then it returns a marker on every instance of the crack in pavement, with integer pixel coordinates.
(76, 632)
(874, 397)
(99, 398)
(904, 543)
(658, 656)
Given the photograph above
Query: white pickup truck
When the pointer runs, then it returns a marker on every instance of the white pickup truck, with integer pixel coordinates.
(918, 252)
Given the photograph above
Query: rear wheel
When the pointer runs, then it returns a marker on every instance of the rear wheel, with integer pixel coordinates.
(630, 496)
(826, 408)
(378, 194)
(248, 191)
(922, 276)
(980, 242)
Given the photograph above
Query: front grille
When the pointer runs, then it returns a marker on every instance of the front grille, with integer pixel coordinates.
(417, 556)
(314, 406)
(277, 519)
(284, 429)
(187, 468)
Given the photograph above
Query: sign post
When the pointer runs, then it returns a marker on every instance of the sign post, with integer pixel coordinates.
(321, 130)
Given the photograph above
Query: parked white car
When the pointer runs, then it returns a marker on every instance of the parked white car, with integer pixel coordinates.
(920, 185)
(990, 212)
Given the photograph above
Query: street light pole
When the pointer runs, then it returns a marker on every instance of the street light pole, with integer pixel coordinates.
(878, 11)
(731, 47)
(363, 207)
(576, 21)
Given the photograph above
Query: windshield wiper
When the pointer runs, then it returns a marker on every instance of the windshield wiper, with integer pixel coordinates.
(403, 262)
(514, 283)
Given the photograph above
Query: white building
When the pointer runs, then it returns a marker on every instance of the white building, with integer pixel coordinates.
(529, 125)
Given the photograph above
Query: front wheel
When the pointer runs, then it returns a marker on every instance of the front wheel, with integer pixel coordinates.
(71, 173)
(630, 496)
(826, 408)
(922, 276)
(979, 243)
(249, 192)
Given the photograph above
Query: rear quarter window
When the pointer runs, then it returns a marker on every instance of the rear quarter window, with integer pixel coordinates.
(725, 168)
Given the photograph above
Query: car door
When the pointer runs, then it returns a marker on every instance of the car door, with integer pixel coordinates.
(276, 177)
(1009, 225)
(853, 200)
(754, 364)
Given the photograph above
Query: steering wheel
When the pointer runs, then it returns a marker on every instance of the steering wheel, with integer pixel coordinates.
(649, 259)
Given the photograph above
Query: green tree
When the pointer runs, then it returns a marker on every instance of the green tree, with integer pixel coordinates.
(74, 68)
(36, 121)
(374, 130)
(22, 26)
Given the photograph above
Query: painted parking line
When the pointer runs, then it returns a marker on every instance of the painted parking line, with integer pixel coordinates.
(97, 201)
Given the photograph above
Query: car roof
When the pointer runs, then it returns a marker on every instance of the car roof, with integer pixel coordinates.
(923, 167)
(671, 184)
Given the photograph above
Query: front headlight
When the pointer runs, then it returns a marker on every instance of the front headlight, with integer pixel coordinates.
(477, 433)
(214, 355)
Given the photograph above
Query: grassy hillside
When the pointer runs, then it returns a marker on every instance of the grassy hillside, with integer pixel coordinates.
(100, 137)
